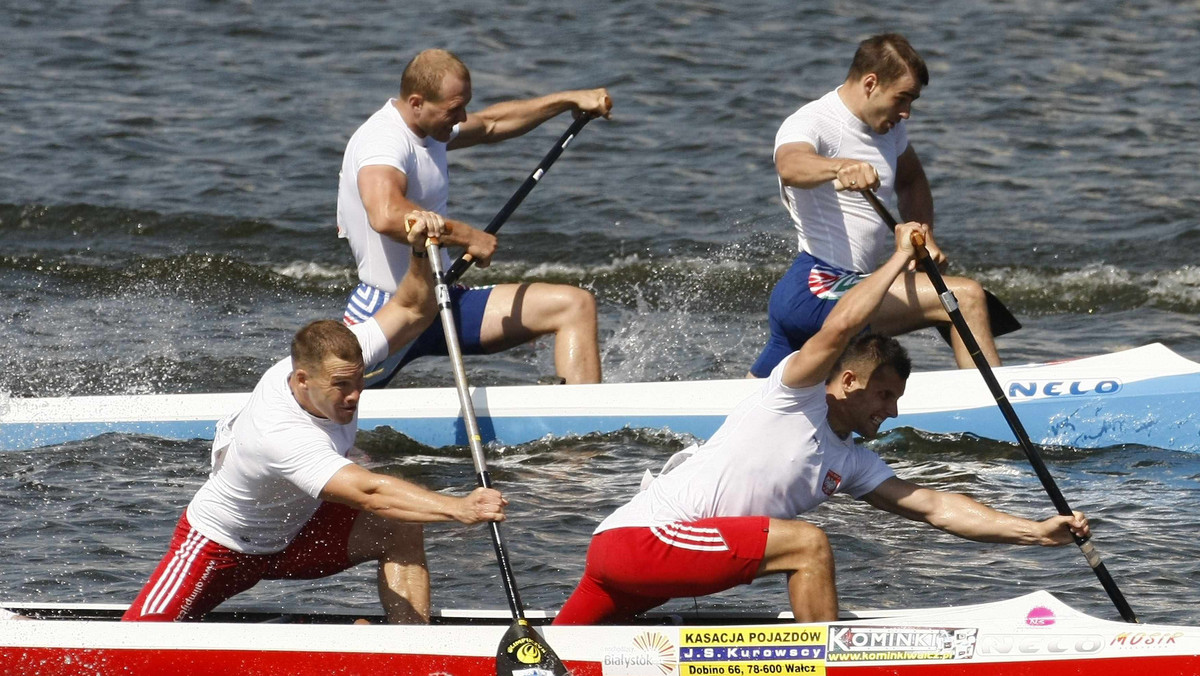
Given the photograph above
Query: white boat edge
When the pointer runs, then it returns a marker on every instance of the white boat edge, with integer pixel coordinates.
(1148, 395)
(1033, 627)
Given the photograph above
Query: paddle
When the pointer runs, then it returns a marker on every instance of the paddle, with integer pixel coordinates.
(522, 651)
(950, 303)
(464, 261)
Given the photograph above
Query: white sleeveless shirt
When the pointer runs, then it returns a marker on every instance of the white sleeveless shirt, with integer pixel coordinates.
(385, 139)
(272, 459)
(841, 228)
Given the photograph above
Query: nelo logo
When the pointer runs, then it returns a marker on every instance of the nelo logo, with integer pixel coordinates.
(1033, 389)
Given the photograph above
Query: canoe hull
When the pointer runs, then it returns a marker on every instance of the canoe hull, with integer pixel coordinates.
(205, 663)
(1033, 634)
(1148, 395)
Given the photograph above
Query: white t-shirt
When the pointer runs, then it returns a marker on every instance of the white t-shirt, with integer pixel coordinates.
(775, 455)
(271, 460)
(385, 139)
(841, 228)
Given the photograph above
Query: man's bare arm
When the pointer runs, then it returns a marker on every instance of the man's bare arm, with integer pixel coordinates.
(400, 500)
(913, 194)
(817, 356)
(384, 190)
(800, 166)
(513, 118)
(968, 518)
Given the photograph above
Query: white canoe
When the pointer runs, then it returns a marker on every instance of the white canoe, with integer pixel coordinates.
(1034, 634)
(1147, 395)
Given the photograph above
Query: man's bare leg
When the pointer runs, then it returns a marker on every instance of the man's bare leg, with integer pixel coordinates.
(912, 303)
(519, 313)
(403, 575)
(802, 551)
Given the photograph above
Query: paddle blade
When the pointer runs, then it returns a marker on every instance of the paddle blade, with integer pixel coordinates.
(523, 652)
(1003, 321)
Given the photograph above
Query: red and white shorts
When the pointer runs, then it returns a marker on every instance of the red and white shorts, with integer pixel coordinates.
(631, 570)
(197, 574)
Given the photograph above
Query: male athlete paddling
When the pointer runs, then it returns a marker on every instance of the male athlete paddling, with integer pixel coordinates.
(726, 515)
(283, 501)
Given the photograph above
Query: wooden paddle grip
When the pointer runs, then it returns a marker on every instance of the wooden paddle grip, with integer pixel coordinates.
(409, 222)
(918, 242)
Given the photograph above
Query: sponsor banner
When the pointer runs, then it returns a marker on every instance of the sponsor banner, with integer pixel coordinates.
(893, 644)
(752, 651)
(651, 653)
(805, 668)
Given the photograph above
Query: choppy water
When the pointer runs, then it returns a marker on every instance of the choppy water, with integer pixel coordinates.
(167, 200)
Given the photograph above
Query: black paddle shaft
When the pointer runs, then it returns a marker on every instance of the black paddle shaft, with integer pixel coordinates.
(950, 303)
(464, 261)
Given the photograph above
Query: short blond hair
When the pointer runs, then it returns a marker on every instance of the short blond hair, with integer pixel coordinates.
(424, 74)
(324, 338)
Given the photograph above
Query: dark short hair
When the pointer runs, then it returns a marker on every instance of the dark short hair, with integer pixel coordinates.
(890, 57)
(424, 74)
(324, 338)
(867, 352)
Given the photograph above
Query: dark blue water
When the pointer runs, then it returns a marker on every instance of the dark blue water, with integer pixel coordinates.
(167, 197)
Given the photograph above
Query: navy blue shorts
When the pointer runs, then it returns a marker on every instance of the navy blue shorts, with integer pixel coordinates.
(799, 304)
(468, 304)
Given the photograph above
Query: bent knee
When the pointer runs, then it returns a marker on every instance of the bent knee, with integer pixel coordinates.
(794, 544)
(567, 305)
(578, 301)
(969, 292)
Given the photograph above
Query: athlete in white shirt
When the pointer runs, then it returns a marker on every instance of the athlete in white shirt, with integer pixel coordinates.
(851, 139)
(726, 514)
(396, 162)
(283, 501)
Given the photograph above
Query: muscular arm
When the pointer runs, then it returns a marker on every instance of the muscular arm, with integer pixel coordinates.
(513, 118)
(912, 189)
(967, 518)
(915, 199)
(412, 308)
(383, 190)
(800, 166)
(400, 500)
(817, 356)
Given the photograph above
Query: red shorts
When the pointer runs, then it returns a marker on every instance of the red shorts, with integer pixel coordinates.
(197, 574)
(631, 570)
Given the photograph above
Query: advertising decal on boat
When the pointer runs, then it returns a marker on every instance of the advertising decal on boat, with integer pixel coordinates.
(889, 644)
(651, 654)
(1038, 389)
(1040, 616)
(749, 651)
(1145, 639)
(1050, 644)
